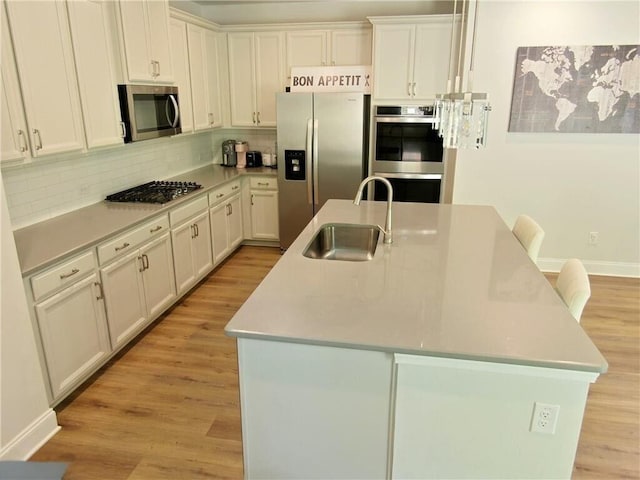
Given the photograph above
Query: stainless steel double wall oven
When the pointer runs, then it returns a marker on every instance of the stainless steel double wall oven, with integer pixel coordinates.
(408, 152)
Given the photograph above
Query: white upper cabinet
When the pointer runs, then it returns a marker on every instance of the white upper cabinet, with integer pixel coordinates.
(205, 77)
(255, 76)
(92, 46)
(145, 33)
(46, 70)
(13, 124)
(307, 48)
(339, 46)
(182, 77)
(351, 46)
(411, 58)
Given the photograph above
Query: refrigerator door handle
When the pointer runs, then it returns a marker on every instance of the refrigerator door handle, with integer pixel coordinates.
(316, 191)
(308, 154)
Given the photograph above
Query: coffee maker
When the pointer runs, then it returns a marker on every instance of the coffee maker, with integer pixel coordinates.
(229, 156)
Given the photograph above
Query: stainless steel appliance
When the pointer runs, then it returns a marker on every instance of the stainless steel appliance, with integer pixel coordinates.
(408, 152)
(154, 192)
(229, 157)
(322, 146)
(149, 111)
(254, 159)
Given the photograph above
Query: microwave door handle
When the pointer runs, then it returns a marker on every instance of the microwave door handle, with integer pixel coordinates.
(176, 117)
(308, 160)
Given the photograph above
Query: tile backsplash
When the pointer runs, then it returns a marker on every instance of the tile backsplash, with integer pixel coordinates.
(58, 184)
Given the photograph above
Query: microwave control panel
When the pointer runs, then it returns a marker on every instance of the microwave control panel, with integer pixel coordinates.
(295, 165)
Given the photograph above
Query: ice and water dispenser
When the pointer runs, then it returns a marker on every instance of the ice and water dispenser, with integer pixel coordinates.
(295, 165)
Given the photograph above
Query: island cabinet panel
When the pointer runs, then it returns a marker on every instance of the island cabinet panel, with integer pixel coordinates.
(323, 411)
(447, 410)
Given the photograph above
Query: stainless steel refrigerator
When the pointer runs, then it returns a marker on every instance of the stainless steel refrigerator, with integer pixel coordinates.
(323, 141)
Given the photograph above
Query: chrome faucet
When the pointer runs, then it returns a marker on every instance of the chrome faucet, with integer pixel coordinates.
(388, 234)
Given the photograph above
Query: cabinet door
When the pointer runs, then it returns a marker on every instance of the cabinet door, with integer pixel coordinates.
(219, 233)
(124, 298)
(269, 76)
(137, 50)
(96, 78)
(198, 70)
(73, 332)
(264, 214)
(431, 61)
(182, 77)
(306, 48)
(351, 47)
(234, 222)
(158, 276)
(158, 24)
(212, 68)
(47, 75)
(202, 257)
(241, 79)
(393, 63)
(182, 239)
(13, 125)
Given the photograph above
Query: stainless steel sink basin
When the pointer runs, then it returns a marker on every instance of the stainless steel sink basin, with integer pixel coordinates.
(344, 241)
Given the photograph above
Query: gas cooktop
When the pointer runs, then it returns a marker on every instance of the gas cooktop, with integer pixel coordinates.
(154, 192)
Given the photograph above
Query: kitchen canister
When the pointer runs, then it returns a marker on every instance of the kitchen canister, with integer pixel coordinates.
(241, 150)
(266, 159)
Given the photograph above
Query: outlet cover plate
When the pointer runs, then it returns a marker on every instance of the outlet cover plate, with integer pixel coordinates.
(544, 418)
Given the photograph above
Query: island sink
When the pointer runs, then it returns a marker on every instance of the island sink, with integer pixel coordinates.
(344, 241)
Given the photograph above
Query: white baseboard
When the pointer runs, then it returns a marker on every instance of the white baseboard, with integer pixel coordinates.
(24, 445)
(593, 267)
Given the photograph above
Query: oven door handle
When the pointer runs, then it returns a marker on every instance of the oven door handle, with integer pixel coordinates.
(400, 119)
(411, 176)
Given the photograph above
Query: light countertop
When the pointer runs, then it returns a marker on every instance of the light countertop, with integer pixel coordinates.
(47, 242)
(454, 283)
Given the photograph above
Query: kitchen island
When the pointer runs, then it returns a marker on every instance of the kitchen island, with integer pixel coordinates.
(447, 355)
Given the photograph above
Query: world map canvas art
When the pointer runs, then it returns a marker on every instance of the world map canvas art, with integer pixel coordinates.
(583, 89)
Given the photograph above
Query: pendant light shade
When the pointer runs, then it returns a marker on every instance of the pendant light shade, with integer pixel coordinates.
(461, 117)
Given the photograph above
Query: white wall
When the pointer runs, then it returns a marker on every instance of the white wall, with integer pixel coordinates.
(572, 184)
(26, 421)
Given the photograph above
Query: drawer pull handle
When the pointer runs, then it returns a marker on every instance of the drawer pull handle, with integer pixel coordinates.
(235, 187)
(124, 245)
(67, 275)
(263, 184)
(220, 195)
(155, 229)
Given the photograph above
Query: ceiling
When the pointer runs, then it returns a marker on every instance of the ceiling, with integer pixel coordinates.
(235, 12)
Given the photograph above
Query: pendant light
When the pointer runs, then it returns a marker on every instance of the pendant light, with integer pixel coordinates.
(461, 117)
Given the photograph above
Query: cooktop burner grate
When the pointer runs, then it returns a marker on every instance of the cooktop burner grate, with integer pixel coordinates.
(154, 192)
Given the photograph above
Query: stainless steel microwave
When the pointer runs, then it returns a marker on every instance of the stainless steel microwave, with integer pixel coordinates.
(149, 111)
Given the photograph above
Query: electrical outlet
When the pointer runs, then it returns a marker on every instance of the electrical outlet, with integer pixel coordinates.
(545, 418)
(593, 238)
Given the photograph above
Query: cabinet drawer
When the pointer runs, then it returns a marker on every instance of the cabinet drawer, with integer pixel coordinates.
(265, 183)
(130, 240)
(225, 191)
(61, 275)
(180, 214)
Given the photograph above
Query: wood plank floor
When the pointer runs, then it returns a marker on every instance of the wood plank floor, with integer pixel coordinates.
(168, 408)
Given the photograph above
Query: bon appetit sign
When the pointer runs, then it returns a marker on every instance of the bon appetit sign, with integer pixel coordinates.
(331, 79)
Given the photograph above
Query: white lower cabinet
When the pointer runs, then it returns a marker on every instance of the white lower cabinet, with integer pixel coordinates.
(73, 332)
(192, 257)
(138, 287)
(226, 227)
(264, 208)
